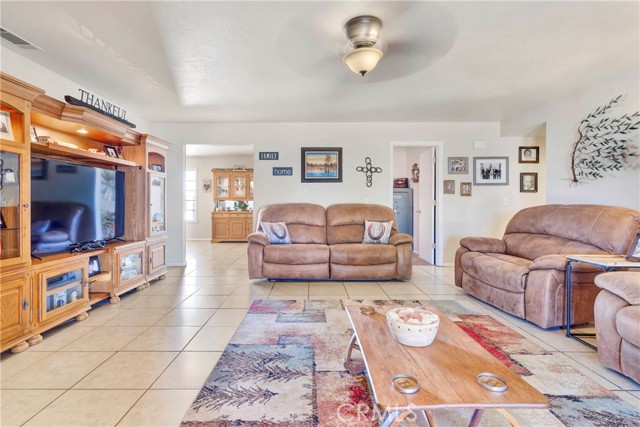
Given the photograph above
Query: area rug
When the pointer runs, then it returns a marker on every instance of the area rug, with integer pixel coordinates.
(284, 368)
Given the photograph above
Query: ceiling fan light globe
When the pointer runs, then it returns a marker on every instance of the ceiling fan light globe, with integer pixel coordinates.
(362, 60)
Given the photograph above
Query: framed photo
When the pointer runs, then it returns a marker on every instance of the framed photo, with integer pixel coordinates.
(38, 168)
(6, 130)
(458, 165)
(321, 164)
(633, 254)
(3, 224)
(157, 167)
(34, 134)
(528, 154)
(206, 185)
(111, 151)
(94, 265)
(490, 171)
(528, 182)
(449, 186)
(465, 189)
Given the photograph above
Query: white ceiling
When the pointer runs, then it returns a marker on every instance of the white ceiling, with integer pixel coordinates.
(193, 150)
(214, 61)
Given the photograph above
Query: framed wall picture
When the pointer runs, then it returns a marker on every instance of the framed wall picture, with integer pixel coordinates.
(111, 151)
(449, 186)
(206, 185)
(94, 265)
(321, 164)
(528, 154)
(6, 130)
(490, 171)
(633, 254)
(465, 189)
(528, 182)
(157, 167)
(458, 165)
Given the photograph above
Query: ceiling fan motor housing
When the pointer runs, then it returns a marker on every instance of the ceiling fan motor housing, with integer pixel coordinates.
(363, 31)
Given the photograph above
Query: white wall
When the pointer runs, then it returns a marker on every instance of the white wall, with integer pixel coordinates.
(57, 86)
(481, 214)
(201, 228)
(561, 118)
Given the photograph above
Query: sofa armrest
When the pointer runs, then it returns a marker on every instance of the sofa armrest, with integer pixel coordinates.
(258, 237)
(484, 244)
(559, 262)
(625, 284)
(400, 238)
(549, 262)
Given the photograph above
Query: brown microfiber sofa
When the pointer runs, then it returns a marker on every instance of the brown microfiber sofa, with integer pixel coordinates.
(617, 312)
(524, 272)
(327, 244)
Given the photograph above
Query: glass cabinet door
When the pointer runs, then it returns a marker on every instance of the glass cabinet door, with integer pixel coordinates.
(62, 290)
(240, 187)
(130, 266)
(251, 187)
(12, 208)
(157, 204)
(222, 186)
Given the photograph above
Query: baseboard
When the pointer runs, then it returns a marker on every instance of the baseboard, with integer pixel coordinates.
(170, 264)
(200, 239)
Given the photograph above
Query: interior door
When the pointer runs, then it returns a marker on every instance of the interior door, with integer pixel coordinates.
(426, 206)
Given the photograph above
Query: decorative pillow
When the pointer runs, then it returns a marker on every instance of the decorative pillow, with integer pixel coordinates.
(276, 232)
(377, 232)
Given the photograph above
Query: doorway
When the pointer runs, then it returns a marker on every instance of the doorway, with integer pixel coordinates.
(420, 163)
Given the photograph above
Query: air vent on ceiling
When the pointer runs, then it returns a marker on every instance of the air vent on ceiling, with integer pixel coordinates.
(18, 41)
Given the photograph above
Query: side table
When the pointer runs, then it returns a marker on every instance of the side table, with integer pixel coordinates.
(606, 263)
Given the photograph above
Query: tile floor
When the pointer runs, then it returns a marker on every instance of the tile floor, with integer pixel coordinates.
(141, 362)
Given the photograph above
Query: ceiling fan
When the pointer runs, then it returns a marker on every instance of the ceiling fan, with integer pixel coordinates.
(362, 34)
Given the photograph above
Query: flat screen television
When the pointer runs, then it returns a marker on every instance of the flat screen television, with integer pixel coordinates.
(73, 204)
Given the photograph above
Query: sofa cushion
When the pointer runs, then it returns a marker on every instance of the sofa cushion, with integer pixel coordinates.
(625, 284)
(359, 254)
(345, 222)
(498, 270)
(296, 254)
(607, 228)
(376, 232)
(533, 246)
(276, 232)
(627, 321)
(306, 222)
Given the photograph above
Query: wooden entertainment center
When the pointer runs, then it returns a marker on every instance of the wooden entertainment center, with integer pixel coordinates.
(37, 294)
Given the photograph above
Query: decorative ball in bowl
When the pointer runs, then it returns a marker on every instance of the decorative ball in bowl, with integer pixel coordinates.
(413, 326)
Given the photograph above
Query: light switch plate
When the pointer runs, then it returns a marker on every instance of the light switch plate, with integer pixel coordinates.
(479, 145)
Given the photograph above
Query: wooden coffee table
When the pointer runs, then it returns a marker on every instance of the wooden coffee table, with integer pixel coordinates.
(446, 371)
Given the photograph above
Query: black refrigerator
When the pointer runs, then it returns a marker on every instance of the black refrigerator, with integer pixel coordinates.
(403, 208)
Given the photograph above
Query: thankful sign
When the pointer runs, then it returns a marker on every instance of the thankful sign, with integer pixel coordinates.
(89, 100)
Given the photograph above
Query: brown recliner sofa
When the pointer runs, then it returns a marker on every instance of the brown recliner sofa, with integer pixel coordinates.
(524, 272)
(327, 244)
(617, 312)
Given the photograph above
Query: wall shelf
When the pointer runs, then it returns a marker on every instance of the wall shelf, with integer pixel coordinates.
(50, 149)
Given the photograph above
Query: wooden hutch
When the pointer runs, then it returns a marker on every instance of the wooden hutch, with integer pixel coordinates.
(237, 186)
(31, 289)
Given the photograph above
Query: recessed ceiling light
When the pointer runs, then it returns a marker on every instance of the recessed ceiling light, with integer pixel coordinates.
(83, 131)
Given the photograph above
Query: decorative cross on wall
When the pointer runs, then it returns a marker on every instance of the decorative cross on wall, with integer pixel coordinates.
(369, 170)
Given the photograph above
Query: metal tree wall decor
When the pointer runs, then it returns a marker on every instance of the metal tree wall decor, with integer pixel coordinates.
(369, 170)
(605, 143)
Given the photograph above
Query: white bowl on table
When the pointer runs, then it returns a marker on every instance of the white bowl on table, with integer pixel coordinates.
(413, 326)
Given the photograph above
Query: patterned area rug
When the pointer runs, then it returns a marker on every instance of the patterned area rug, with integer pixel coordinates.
(283, 368)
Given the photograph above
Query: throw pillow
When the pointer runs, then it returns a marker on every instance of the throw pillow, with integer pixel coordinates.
(377, 232)
(276, 232)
